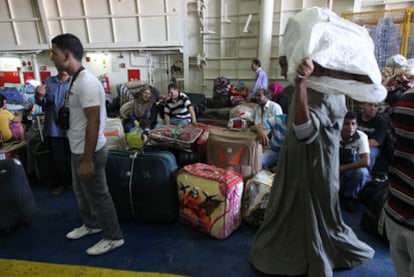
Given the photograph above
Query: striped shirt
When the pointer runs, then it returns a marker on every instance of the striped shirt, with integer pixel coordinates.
(178, 108)
(277, 124)
(400, 204)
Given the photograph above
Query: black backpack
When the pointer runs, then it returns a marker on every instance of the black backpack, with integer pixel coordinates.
(374, 196)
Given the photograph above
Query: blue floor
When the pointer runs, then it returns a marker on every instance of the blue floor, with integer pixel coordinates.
(172, 248)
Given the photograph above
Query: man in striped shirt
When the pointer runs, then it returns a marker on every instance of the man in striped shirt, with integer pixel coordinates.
(400, 205)
(178, 109)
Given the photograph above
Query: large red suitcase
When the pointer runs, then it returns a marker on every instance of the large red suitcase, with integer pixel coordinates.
(210, 199)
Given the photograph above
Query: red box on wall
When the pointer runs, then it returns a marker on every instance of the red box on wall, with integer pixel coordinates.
(44, 75)
(10, 77)
(28, 75)
(134, 74)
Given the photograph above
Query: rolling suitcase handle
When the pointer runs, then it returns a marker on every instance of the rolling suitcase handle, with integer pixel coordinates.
(133, 156)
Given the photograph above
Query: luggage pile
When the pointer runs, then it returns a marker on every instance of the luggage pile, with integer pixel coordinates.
(221, 93)
(206, 177)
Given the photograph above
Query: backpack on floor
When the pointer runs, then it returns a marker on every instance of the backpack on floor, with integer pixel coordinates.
(374, 196)
(17, 205)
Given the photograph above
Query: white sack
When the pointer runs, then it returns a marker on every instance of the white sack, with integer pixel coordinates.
(396, 61)
(334, 43)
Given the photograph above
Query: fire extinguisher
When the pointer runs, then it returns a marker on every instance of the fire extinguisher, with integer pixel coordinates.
(105, 83)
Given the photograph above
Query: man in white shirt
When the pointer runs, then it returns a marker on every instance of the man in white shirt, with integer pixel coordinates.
(354, 161)
(265, 108)
(86, 102)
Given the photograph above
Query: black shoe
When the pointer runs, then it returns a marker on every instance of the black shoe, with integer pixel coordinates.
(351, 205)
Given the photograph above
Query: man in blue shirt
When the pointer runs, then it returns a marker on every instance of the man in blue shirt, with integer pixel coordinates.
(261, 78)
(51, 96)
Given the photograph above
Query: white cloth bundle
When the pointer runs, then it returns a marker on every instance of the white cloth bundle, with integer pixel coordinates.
(337, 44)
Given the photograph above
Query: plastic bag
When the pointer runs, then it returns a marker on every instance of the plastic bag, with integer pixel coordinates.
(242, 112)
(337, 44)
(134, 138)
(256, 197)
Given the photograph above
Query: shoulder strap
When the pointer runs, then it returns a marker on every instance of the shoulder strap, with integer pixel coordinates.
(71, 84)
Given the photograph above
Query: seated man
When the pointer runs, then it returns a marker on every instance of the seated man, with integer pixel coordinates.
(265, 108)
(354, 161)
(178, 109)
(269, 120)
(375, 127)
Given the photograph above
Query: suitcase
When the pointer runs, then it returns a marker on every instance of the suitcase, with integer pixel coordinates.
(172, 136)
(182, 157)
(114, 133)
(142, 186)
(17, 150)
(210, 199)
(200, 146)
(17, 205)
(235, 150)
(256, 196)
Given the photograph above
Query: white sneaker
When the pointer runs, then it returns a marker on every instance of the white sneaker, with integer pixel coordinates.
(104, 246)
(81, 232)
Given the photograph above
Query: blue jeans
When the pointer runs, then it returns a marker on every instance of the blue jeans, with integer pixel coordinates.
(270, 158)
(95, 203)
(374, 153)
(353, 180)
(175, 121)
(179, 121)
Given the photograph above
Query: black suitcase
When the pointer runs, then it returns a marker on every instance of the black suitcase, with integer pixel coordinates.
(17, 205)
(183, 158)
(142, 186)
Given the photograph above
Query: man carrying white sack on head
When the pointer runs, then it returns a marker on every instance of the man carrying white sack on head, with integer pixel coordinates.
(303, 231)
